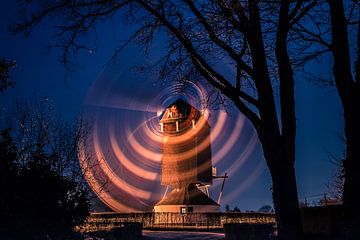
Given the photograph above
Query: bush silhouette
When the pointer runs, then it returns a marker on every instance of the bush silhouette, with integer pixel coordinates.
(36, 201)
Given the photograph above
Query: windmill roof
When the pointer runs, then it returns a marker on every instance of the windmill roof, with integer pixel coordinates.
(189, 195)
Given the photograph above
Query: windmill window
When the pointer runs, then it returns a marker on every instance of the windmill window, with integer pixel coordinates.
(183, 210)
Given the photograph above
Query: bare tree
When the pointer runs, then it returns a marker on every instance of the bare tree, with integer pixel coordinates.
(349, 91)
(336, 184)
(252, 37)
(334, 27)
(44, 192)
(36, 128)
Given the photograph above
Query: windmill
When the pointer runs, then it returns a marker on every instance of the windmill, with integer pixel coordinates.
(186, 161)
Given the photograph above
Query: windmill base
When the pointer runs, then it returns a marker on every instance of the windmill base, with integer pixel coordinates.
(185, 200)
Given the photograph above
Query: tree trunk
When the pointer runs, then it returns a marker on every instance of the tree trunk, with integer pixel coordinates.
(349, 92)
(281, 158)
(351, 196)
(278, 146)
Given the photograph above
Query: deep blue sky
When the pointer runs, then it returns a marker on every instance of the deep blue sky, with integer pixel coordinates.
(38, 74)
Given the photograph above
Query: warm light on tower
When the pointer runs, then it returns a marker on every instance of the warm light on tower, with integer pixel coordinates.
(186, 160)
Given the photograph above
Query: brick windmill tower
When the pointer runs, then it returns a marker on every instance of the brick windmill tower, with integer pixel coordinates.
(186, 160)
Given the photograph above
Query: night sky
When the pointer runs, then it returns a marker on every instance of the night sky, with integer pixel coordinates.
(123, 95)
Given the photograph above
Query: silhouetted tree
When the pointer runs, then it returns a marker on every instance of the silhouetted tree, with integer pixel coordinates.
(251, 37)
(8, 179)
(227, 208)
(236, 209)
(336, 184)
(348, 87)
(265, 208)
(332, 28)
(42, 193)
(5, 68)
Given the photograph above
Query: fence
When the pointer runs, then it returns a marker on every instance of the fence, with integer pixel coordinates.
(320, 200)
(107, 221)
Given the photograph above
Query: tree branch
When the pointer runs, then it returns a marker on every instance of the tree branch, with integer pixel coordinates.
(234, 55)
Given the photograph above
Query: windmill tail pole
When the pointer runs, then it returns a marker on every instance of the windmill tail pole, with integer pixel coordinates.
(167, 189)
(222, 188)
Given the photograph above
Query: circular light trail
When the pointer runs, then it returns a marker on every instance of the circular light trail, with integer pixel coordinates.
(121, 158)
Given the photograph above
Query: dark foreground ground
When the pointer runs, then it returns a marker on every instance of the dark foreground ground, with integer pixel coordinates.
(190, 235)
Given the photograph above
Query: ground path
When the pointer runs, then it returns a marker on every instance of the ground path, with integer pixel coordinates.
(183, 235)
